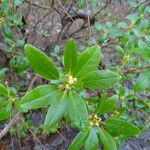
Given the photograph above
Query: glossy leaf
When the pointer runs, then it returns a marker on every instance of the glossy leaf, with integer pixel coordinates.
(76, 110)
(40, 63)
(79, 140)
(38, 97)
(3, 90)
(120, 127)
(87, 61)
(107, 140)
(70, 56)
(107, 105)
(55, 111)
(100, 79)
(92, 141)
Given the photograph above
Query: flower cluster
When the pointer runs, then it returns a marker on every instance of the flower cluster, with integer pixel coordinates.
(94, 120)
(70, 83)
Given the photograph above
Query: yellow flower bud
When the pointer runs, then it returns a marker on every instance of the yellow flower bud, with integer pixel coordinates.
(95, 116)
(91, 123)
(116, 112)
(75, 79)
(67, 86)
(70, 80)
(11, 99)
(90, 116)
(97, 124)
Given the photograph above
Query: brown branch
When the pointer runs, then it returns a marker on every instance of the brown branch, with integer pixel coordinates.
(130, 70)
(32, 82)
(146, 2)
(43, 6)
(37, 5)
(5, 130)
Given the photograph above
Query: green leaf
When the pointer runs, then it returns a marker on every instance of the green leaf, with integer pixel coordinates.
(137, 33)
(87, 61)
(107, 140)
(3, 90)
(144, 50)
(18, 2)
(20, 43)
(38, 97)
(70, 56)
(92, 141)
(100, 79)
(3, 102)
(40, 63)
(120, 127)
(55, 111)
(147, 38)
(133, 17)
(5, 112)
(107, 105)
(76, 110)
(99, 26)
(133, 3)
(8, 33)
(143, 82)
(120, 50)
(122, 25)
(79, 140)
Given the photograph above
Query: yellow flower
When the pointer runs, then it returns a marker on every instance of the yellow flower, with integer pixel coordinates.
(91, 123)
(71, 80)
(11, 99)
(97, 124)
(95, 116)
(67, 86)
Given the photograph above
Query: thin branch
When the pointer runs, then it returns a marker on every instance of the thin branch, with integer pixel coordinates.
(88, 18)
(33, 135)
(32, 82)
(143, 3)
(130, 70)
(37, 5)
(5, 130)
(66, 12)
(104, 7)
(61, 135)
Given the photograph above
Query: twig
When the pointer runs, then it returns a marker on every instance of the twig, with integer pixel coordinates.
(5, 130)
(37, 5)
(33, 135)
(88, 18)
(66, 12)
(32, 82)
(19, 139)
(130, 70)
(105, 6)
(61, 135)
(143, 3)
